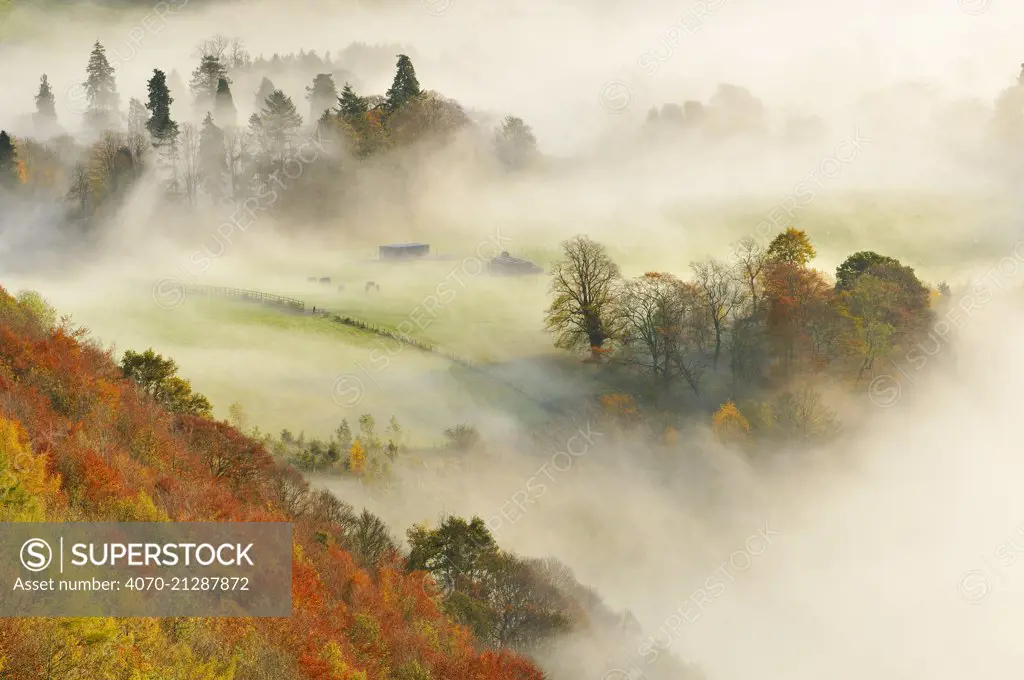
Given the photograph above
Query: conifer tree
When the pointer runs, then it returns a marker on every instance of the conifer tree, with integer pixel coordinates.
(175, 85)
(163, 130)
(46, 104)
(138, 116)
(265, 90)
(100, 90)
(212, 158)
(8, 161)
(224, 105)
(206, 81)
(321, 95)
(350, 105)
(279, 121)
(405, 85)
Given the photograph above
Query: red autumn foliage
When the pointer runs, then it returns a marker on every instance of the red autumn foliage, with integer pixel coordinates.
(799, 311)
(109, 446)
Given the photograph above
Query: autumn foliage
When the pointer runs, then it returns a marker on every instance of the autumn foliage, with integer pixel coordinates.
(729, 424)
(80, 442)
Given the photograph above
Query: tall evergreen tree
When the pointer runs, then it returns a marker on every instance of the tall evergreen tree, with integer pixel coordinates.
(350, 105)
(46, 104)
(138, 116)
(405, 85)
(213, 159)
(175, 85)
(322, 95)
(8, 161)
(101, 90)
(224, 105)
(265, 90)
(279, 121)
(205, 81)
(163, 130)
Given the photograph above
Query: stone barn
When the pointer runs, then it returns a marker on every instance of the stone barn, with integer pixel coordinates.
(403, 251)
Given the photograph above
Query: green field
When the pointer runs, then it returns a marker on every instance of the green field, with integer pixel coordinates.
(283, 367)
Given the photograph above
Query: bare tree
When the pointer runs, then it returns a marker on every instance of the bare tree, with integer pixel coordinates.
(213, 47)
(236, 146)
(720, 296)
(751, 260)
(657, 317)
(81, 191)
(584, 284)
(237, 55)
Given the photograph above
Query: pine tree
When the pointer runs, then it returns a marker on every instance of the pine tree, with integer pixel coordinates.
(101, 90)
(350, 105)
(8, 161)
(224, 105)
(163, 130)
(266, 89)
(279, 122)
(46, 104)
(212, 158)
(175, 85)
(206, 81)
(321, 95)
(138, 116)
(404, 87)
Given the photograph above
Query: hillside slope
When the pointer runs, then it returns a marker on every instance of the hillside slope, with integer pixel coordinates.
(79, 442)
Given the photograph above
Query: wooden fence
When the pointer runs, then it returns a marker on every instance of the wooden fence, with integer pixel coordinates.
(249, 296)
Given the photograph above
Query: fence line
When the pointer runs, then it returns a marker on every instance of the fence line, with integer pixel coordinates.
(292, 303)
(427, 347)
(249, 296)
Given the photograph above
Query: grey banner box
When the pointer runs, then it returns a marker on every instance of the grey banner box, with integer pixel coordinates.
(151, 569)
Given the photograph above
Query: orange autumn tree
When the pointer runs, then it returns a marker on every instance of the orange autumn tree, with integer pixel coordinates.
(620, 407)
(801, 319)
(81, 442)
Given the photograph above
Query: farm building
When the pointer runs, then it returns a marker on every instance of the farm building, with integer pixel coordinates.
(403, 251)
(506, 264)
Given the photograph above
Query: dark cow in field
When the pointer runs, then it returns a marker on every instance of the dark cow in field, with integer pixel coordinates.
(370, 285)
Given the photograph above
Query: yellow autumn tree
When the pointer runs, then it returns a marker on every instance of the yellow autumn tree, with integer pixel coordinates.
(357, 458)
(25, 487)
(729, 424)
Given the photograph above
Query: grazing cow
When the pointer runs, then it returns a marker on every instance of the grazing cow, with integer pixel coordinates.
(325, 279)
(370, 285)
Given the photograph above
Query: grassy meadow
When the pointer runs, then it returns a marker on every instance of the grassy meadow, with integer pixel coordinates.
(264, 357)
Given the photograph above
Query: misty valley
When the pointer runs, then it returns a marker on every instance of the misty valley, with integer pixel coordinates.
(594, 340)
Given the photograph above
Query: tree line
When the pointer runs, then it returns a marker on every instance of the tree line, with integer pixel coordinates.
(757, 322)
(211, 157)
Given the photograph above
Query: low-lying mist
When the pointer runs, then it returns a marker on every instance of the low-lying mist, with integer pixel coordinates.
(886, 552)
